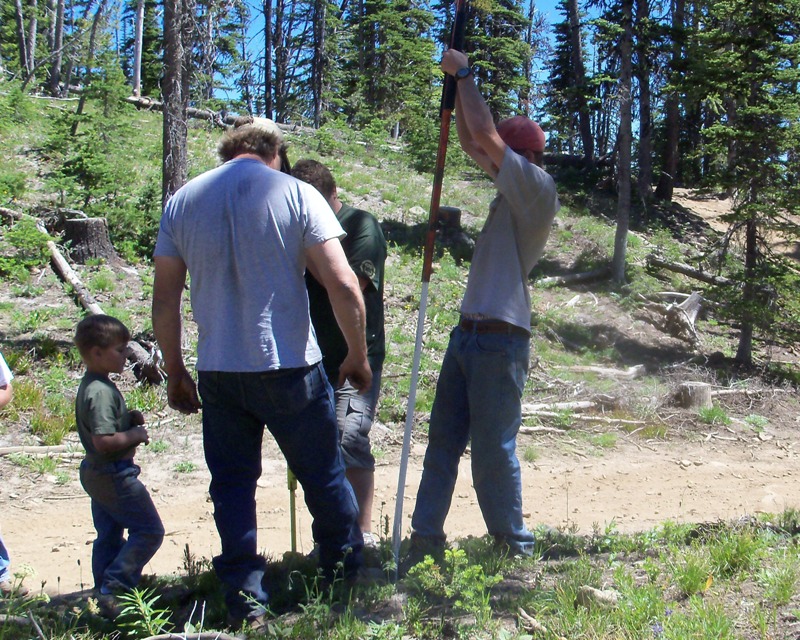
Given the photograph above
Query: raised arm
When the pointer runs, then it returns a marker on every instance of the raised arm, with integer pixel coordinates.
(476, 129)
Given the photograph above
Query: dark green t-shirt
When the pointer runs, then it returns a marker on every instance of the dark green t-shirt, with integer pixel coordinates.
(100, 410)
(365, 248)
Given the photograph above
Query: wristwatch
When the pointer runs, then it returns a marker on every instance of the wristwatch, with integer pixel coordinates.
(463, 72)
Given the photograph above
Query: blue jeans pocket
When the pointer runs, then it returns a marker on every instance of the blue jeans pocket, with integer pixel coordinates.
(291, 390)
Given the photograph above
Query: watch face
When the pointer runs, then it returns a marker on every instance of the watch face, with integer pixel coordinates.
(463, 73)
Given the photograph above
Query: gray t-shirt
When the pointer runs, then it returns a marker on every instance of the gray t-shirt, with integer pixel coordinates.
(510, 243)
(242, 230)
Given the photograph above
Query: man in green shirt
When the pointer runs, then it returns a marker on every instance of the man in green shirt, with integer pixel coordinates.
(365, 248)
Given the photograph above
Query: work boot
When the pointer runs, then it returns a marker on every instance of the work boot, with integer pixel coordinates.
(420, 547)
(258, 623)
(108, 605)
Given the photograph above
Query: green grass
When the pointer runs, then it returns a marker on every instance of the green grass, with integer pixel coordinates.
(714, 415)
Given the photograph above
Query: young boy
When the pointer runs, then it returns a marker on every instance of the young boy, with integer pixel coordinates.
(110, 434)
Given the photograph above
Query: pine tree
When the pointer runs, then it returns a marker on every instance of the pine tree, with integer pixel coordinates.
(751, 75)
(386, 62)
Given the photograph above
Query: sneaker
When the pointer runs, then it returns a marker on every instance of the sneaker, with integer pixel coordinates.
(371, 541)
(9, 589)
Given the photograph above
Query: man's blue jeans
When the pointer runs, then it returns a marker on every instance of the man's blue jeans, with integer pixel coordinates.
(297, 407)
(120, 501)
(478, 397)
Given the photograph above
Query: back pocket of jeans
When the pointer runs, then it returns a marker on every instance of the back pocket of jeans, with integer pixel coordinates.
(290, 391)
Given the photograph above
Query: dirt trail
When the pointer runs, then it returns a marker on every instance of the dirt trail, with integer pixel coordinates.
(48, 529)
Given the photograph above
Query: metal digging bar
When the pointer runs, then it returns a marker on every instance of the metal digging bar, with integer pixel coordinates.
(445, 113)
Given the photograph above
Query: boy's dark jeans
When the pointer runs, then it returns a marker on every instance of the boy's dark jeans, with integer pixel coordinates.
(120, 501)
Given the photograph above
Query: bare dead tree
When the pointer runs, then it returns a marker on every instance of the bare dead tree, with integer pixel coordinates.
(625, 141)
(137, 48)
(89, 59)
(57, 47)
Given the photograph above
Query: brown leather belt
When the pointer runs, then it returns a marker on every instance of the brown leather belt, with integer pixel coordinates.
(492, 326)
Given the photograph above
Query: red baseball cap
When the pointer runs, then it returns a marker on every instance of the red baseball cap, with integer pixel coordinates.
(521, 133)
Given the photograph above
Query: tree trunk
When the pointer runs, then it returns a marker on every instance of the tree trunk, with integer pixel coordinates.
(19, 14)
(178, 18)
(666, 181)
(268, 104)
(33, 24)
(645, 178)
(693, 395)
(281, 66)
(54, 79)
(625, 136)
(579, 78)
(247, 72)
(317, 64)
(208, 52)
(89, 59)
(88, 240)
(744, 352)
(137, 49)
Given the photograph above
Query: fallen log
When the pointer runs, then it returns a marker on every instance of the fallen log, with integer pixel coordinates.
(561, 406)
(219, 119)
(145, 365)
(36, 449)
(636, 371)
(70, 277)
(575, 278)
(214, 117)
(684, 269)
(203, 635)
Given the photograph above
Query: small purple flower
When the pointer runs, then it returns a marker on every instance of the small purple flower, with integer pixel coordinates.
(657, 628)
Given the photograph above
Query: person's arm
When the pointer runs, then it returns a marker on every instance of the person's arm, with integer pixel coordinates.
(111, 442)
(474, 123)
(170, 277)
(6, 393)
(328, 264)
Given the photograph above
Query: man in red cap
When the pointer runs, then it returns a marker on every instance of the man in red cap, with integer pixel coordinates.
(479, 391)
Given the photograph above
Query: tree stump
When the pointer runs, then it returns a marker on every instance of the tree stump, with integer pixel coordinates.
(88, 239)
(693, 395)
(452, 236)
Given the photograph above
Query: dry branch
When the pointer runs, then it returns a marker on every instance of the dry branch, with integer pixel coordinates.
(533, 430)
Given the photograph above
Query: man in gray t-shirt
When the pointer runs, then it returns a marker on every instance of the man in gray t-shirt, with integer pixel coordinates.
(479, 391)
(246, 233)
